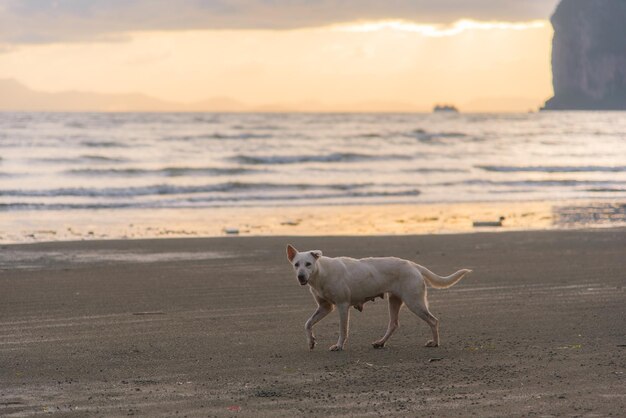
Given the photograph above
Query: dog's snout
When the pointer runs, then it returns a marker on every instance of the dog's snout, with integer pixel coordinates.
(302, 278)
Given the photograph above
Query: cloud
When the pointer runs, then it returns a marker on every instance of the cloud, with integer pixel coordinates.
(45, 21)
(437, 31)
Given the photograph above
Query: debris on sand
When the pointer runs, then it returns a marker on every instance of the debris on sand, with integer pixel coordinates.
(265, 393)
(488, 223)
(570, 347)
(149, 313)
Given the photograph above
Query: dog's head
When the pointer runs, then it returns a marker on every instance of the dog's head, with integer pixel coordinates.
(304, 263)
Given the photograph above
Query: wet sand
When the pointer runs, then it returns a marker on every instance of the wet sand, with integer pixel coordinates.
(214, 327)
(388, 219)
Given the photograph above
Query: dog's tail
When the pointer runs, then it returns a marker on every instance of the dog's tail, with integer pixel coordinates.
(439, 282)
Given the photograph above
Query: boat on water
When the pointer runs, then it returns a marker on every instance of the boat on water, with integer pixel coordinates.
(445, 109)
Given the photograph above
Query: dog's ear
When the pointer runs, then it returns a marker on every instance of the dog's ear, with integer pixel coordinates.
(317, 254)
(291, 252)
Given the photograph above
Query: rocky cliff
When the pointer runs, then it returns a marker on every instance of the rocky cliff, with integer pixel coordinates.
(589, 55)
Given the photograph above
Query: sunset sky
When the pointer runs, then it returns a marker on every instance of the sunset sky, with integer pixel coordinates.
(324, 55)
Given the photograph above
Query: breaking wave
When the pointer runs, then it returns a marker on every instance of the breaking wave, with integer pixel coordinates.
(335, 157)
(553, 169)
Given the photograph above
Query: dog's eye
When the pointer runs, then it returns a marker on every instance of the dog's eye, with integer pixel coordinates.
(297, 264)
(308, 264)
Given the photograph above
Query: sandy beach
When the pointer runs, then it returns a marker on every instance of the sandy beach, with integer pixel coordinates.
(214, 327)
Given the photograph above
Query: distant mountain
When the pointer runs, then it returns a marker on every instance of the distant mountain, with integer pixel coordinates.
(16, 96)
(589, 55)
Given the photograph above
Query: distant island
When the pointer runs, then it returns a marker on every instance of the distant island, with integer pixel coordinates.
(445, 108)
(589, 55)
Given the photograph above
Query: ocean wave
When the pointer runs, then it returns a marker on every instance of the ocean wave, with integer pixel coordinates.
(606, 190)
(195, 202)
(166, 172)
(536, 183)
(552, 169)
(257, 127)
(208, 119)
(102, 158)
(307, 196)
(61, 206)
(217, 135)
(368, 135)
(335, 157)
(423, 135)
(167, 189)
(434, 170)
(79, 159)
(104, 144)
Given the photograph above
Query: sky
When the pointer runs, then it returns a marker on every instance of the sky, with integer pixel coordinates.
(294, 54)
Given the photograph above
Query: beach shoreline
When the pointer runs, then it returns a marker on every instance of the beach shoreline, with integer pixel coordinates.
(335, 220)
(214, 327)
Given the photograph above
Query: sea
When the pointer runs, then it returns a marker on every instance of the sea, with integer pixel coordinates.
(107, 162)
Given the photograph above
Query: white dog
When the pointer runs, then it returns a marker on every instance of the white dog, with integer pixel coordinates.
(345, 282)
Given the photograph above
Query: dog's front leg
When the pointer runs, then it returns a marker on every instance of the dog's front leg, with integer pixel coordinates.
(323, 309)
(344, 318)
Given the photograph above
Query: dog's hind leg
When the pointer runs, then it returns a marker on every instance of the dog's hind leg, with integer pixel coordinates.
(395, 303)
(416, 302)
(323, 309)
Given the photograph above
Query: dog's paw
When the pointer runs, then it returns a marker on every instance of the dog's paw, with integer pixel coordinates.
(311, 343)
(431, 343)
(378, 344)
(335, 347)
